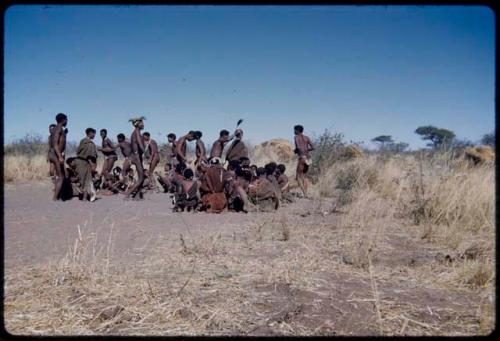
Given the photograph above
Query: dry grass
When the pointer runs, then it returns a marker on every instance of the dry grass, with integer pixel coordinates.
(366, 248)
(22, 168)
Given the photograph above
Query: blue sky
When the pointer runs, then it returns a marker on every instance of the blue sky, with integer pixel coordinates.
(363, 71)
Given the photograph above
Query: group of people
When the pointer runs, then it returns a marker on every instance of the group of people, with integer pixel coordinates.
(208, 184)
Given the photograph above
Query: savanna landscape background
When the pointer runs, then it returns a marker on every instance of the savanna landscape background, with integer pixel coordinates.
(391, 242)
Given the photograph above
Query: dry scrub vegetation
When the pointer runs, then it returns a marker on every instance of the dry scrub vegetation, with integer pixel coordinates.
(399, 245)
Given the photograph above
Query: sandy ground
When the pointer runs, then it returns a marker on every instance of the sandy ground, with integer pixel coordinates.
(38, 230)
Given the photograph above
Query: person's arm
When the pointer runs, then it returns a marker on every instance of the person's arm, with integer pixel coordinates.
(310, 144)
(296, 150)
(203, 151)
(55, 141)
(110, 147)
(154, 149)
(179, 151)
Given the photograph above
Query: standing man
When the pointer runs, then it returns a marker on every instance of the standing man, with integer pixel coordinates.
(126, 149)
(171, 149)
(201, 152)
(52, 170)
(110, 156)
(137, 144)
(154, 156)
(181, 146)
(218, 145)
(237, 149)
(56, 153)
(85, 162)
(303, 146)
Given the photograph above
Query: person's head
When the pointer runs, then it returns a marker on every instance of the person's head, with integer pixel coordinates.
(138, 122)
(224, 135)
(233, 164)
(238, 133)
(71, 162)
(270, 168)
(171, 137)
(243, 173)
(167, 167)
(147, 136)
(188, 174)
(253, 168)
(90, 132)
(281, 168)
(261, 171)
(198, 134)
(120, 137)
(180, 167)
(130, 172)
(244, 162)
(62, 119)
(117, 171)
(191, 135)
(103, 133)
(146, 173)
(298, 129)
(51, 128)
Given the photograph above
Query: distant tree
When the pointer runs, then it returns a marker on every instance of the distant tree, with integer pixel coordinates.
(461, 143)
(488, 139)
(437, 136)
(383, 141)
(397, 147)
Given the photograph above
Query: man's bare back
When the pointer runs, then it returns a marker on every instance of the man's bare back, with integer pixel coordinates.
(303, 145)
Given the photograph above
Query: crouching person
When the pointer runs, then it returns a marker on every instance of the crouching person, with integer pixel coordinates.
(71, 186)
(85, 164)
(186, 198)
(262, 192)
(284, 184)
(236, 182)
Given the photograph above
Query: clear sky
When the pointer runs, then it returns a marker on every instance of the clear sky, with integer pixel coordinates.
(363, 71)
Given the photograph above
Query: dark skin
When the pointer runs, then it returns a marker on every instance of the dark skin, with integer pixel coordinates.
(238, 135)
(153, 152)
(59, 146)
(137, 143)
(236, 186)
(201, 152)
(180, 148)
(93, 165)
(52, 170)
(126, 149)
(303, 145)
(212, 179)
(219, 145)
(107, 147)
(283, 182)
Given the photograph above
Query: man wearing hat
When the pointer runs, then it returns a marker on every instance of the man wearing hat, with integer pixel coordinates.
(138, 148)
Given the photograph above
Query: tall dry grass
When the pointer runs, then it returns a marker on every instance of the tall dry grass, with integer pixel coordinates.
(25, 168)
